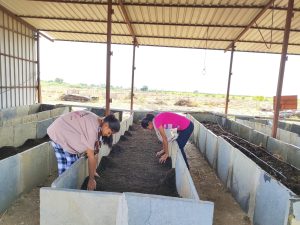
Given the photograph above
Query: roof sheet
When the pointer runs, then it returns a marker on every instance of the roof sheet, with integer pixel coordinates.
(211, 24)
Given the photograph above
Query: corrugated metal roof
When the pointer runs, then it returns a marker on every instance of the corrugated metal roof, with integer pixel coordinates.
(211, 24)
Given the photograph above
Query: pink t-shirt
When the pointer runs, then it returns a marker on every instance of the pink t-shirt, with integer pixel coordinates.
(75, 132)
(171, 120)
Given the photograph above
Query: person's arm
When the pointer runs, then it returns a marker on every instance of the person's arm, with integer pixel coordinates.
(92, 168)
(164, 157)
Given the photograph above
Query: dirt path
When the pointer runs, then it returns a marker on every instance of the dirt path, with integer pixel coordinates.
(210, 188)
(133, 167)
(26, 209)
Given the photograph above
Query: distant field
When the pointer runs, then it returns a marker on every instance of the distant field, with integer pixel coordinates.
(161, 100)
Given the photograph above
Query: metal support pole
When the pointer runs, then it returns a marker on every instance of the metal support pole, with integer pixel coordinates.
(132, 78)
(108, 56)
(288, 22)
(38, 68)
(229, 80)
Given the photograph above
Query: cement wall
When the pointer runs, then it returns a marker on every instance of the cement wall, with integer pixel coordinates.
(282, 134)
(264, 199)
(34, 126)
(77, 207)
(83, 207)
(21, 172)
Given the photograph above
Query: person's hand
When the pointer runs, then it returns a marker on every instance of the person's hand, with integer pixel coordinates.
(163, 158)
(160, 153)
(91, 184)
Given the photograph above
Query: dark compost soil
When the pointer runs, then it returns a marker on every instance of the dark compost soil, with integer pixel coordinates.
(133, 167)
(282, 171)
(8, 151)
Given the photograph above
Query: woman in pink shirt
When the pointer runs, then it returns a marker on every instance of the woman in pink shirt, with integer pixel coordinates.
(79, 132)
(168, 120)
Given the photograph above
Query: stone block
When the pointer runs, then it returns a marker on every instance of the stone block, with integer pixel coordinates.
(34, 165)
(271, 202)
(202, 139)
(225, 161)
(30, 118)
(10, 187)
(62, 206)
(138, 209)
(245, 175)
(43, 115)
(6, 136)
(211, 148)
(34, 108)
(258, 138)
(184, 183)
(73, 177)
(41, 127)
(24, 132)
(22, 110)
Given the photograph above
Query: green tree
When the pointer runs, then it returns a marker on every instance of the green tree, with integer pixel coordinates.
(144, 88)
(59, 80)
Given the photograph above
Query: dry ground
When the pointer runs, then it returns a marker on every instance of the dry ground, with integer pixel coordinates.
(210, 188)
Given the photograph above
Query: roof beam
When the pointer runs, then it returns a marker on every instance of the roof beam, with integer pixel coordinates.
(267, 6)
(153, 23)
(165, 5)
(126, 18)
(168, 37)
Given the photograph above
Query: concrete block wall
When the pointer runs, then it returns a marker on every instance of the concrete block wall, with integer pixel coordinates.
(62, 204)
(77, 207)
(289, 133)
(21, 172)
(264, 199)
(14, 112)
(286, 145)
(32, 126)
(34, 117)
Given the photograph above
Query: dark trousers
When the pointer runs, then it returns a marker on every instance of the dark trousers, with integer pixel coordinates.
(183, 138)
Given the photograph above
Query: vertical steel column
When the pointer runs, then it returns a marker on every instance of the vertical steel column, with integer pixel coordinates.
(132, 77)
(38, 67)
(108, 56)
(229, 80)
(288, 22)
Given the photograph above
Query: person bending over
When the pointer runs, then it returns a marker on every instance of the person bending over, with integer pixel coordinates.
(79, 132)
(168, 120)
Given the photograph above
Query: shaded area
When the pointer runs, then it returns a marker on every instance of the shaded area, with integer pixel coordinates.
(226, 210)
(282, 171)
(133, 167)
(8, 151)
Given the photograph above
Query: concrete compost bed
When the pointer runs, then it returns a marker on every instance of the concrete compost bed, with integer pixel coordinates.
(16, 131)
(132, 166)
(63, 203)
(287, 132)
(282, 171)
(260, 195)
(8, 151)
(22, 172)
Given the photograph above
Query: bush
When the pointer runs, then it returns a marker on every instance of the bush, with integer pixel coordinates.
(186, 102)
(144, 88)
(59, 80)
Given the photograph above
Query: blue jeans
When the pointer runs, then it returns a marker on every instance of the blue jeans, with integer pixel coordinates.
(183, 138)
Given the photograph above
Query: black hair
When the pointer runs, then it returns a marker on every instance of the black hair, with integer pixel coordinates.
(145, 122)
(114, 125)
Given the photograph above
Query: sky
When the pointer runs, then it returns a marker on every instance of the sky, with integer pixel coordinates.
(162, 68)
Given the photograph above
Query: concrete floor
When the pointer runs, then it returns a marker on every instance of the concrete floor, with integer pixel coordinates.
(210, 188)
